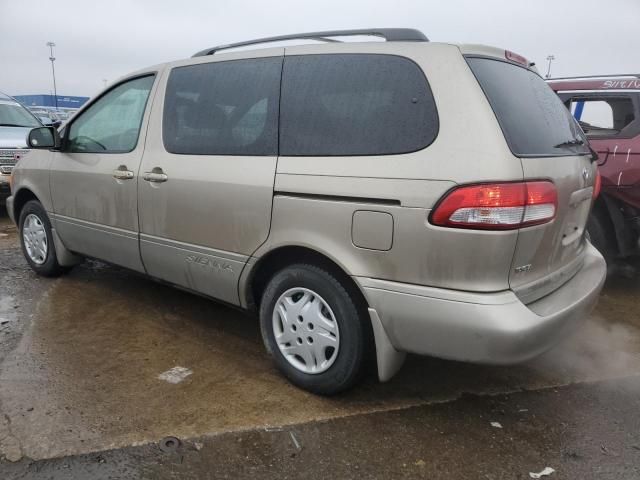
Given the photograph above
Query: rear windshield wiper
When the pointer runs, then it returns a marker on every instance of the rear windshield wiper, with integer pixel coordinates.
(10, 125)
(570, 143)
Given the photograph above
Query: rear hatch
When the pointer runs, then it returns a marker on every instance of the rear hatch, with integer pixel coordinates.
(550, 145)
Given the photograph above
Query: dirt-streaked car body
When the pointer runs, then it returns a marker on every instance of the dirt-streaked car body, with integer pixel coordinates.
(362, 197)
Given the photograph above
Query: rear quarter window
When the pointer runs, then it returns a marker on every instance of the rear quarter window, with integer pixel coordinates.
(355, 104)
(533, 119)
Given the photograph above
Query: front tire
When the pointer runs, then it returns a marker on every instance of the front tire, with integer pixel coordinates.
(313, 329)
(36, 240)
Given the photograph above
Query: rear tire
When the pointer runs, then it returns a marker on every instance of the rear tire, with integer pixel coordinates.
(36, 240)
(600, 236)
(313, 329)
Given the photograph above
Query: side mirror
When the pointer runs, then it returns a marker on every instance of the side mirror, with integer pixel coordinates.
(44, 138)
(56, 123)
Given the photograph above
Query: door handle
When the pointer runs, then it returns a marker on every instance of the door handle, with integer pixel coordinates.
(156, 176)
(121, 173)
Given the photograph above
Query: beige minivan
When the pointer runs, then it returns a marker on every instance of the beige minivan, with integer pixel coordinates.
(366, 199)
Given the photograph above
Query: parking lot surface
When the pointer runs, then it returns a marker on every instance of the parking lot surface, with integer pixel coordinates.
(90, 384)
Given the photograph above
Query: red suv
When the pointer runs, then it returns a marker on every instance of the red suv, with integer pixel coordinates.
(608, 109)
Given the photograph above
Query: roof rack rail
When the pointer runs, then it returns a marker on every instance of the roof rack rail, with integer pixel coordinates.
(584, 77)
(389, 34)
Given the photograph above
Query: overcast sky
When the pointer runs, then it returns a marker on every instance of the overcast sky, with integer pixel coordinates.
(99, 40)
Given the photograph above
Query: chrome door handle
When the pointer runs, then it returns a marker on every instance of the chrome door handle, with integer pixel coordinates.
(155, 176)
(121, 173)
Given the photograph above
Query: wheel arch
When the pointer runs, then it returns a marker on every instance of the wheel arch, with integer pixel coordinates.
(20, 199)
(255, 277)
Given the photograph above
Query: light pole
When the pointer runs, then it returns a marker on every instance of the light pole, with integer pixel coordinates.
(550, 58)
(53, 71)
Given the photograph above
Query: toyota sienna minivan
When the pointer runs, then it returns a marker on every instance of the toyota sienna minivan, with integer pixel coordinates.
(365, 199)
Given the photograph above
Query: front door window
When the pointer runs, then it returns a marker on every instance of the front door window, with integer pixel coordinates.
(112, 124)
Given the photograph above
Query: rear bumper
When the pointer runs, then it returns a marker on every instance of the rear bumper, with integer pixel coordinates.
(493, 328)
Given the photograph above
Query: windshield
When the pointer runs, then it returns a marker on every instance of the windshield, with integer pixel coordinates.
(14, 115)
(534, 120)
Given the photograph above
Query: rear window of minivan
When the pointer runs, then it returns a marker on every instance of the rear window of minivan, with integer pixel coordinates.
(533, 119)
(355, 104)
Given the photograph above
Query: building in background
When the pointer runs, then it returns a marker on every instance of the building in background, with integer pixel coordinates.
(44, 106)
(48, 101)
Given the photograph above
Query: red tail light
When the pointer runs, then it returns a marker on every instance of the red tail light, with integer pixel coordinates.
(498, 206)
(597, 185)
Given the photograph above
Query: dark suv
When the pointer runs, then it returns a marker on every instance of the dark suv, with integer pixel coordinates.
(608, 109)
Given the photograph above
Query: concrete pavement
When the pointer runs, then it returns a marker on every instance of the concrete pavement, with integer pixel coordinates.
(81, 356)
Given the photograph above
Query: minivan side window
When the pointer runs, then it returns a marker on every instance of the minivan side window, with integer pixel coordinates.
(355, 104)
(112, 124)
(223, 108)
(602, 117)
